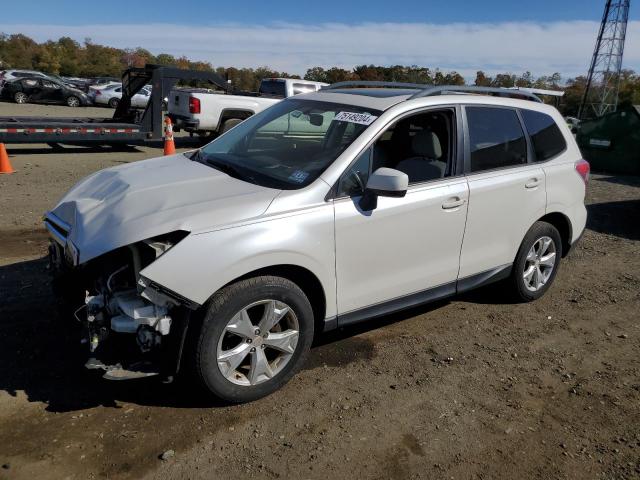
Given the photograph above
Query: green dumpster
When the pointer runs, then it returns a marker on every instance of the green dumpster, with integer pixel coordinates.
(611, 143)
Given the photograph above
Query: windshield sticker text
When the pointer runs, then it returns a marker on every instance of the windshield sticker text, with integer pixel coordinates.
(359, 118)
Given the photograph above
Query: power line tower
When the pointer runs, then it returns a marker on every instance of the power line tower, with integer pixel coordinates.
(603, 81)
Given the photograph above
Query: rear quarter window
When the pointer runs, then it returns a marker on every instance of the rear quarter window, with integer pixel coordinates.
(546, 137)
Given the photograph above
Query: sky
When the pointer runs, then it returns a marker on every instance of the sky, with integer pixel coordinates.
(492, 35)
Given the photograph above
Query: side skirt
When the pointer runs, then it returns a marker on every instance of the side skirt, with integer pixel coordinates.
(419, 298)
(484, 278)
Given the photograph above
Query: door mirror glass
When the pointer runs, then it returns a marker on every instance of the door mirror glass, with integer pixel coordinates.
(384, 182)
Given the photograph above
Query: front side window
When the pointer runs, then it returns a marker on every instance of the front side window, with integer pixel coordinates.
(496, 138)
(420, 145)
(546, 137)
(51, 85)
(288, 145)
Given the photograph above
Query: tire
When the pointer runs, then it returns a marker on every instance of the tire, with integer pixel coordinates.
(113, 103)
(229, 124)
(219, 338)
(73, 101)
(534, 270)
(20, 97)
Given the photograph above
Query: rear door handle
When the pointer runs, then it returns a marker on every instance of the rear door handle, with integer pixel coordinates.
(532, 183)
(453, 203)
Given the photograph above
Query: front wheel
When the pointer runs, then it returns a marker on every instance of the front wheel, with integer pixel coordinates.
(537, 262)
(113, 103)
(73, 101)
(255, 336)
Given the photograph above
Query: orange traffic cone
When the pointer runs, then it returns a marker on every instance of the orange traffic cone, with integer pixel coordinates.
(169, 145)
(5, 164)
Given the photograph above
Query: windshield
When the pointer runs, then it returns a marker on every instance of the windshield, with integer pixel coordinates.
(288, 145)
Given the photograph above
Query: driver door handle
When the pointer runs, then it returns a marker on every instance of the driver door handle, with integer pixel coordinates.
(452, 203)
(532, 183)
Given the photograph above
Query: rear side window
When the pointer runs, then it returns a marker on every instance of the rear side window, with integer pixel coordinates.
(496, 138)
(546, 137)
(273, 87)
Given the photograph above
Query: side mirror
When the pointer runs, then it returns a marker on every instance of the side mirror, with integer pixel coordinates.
(316, 119)
(384, 182)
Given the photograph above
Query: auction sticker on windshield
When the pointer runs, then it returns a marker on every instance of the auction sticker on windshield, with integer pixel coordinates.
(359, 118)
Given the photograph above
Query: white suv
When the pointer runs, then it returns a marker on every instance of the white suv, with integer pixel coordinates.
(326, 209)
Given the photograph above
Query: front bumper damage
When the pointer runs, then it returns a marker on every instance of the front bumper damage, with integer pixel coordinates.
(131, 327)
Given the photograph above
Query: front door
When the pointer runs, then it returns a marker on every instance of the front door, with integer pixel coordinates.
(406, 251)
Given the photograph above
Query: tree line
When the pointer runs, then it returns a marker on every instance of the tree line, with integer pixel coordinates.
(70, 58)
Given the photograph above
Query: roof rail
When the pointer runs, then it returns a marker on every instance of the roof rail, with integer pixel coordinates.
(497, 91)
(431, 90)
(373, 84)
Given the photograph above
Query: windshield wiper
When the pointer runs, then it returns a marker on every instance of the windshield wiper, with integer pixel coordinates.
(225, 168)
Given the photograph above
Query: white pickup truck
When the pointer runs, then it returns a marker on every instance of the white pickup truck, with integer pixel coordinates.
(208, 112)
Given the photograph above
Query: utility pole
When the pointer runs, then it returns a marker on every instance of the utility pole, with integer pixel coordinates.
(603, 81)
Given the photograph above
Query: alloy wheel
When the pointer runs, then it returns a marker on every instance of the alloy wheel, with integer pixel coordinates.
(539, 264)
(258, 342)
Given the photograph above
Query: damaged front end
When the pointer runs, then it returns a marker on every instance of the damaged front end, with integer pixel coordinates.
(131, 327)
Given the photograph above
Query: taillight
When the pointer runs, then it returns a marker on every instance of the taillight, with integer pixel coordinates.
(194, 105)
(98, 92)
(583, 168)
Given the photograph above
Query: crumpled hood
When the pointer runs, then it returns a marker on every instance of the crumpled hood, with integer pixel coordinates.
(132, 202)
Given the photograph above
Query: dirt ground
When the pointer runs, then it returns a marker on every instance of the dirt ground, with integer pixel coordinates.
(470, 388)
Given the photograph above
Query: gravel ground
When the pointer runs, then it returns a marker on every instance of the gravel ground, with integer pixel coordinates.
(469, 388)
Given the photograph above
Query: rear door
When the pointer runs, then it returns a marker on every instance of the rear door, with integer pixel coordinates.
(506, 189)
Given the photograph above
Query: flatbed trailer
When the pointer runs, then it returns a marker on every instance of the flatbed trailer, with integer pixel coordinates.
(127, 126)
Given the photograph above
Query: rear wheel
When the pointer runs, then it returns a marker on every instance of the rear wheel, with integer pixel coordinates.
(229, 124)
(73, 101)
(537, 262)
(20, 97)
(255, 336)
(113, 103)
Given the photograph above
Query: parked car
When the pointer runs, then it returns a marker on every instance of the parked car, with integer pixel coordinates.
(321, 211)
(209, 113)
(44, 90)
(11, 75)
(111, 95)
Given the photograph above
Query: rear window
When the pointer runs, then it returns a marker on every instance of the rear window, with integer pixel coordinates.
(496, 138)
(546, 137)
(273, 87)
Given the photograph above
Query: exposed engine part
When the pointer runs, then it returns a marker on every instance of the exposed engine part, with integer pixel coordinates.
(148, 339)
(121, 303)
(137, 263)
(121, 269)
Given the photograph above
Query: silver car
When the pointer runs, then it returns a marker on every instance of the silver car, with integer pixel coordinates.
(112, 94)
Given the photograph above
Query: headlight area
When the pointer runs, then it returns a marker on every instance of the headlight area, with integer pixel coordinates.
(129, 326)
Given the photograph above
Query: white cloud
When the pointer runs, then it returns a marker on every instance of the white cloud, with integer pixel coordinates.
(564, 47)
